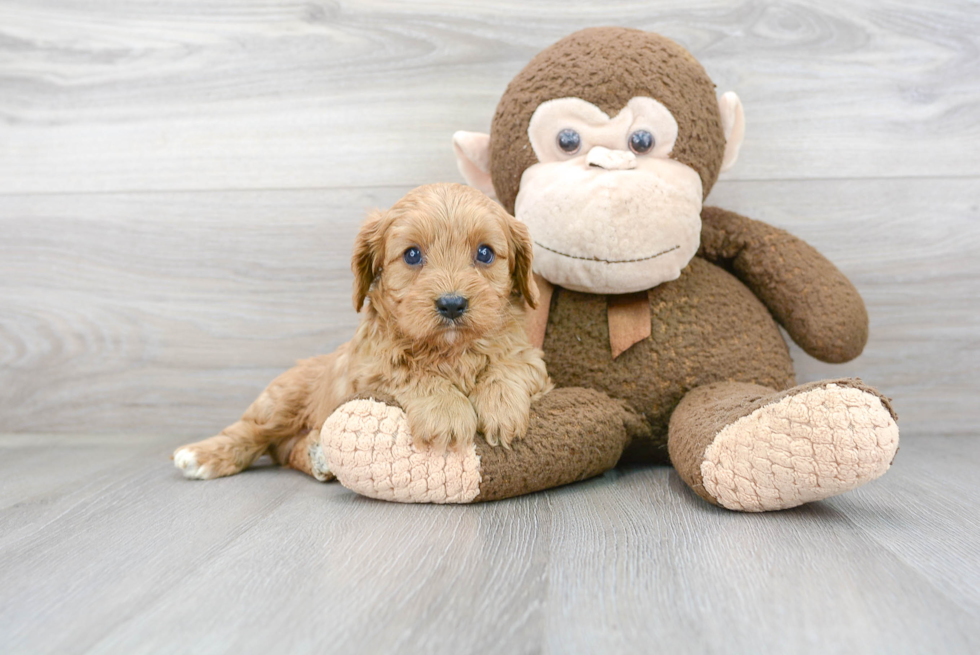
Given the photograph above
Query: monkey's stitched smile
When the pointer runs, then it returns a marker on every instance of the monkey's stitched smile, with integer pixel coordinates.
(607, 261)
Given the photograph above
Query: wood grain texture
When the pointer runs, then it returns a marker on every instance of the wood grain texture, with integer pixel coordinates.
(123, 555)
(141, 95)
(167, 313)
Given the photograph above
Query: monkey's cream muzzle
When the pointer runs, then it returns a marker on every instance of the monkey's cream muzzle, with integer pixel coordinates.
(611, 231)
(605, 218)
(608, 209)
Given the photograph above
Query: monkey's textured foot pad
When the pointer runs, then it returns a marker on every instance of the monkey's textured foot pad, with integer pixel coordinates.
(804, 447)
(368, 447)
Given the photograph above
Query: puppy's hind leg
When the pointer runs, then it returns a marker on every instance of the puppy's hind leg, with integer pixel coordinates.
(278, 415)
(303, 453)
(230, 452)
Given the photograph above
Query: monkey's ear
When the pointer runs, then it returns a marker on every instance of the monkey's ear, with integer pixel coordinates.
(733, 124)
(473, 158)
(366, 262)
(522, 248)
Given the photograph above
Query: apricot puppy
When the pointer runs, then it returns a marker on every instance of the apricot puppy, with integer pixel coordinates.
(446, 273)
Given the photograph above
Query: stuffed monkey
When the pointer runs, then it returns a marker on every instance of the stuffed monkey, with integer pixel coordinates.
(658, 316)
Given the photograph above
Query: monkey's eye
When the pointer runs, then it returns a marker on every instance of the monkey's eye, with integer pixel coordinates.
(484, 254)
(413, 256)
(569, 141)
(641, 142)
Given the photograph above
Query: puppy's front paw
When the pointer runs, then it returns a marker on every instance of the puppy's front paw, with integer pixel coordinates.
(503, 411)
(441, 421)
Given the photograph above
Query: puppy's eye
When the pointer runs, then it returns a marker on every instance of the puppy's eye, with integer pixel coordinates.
(569, 141)
(641, 142)
(413, 256)
(484, 254)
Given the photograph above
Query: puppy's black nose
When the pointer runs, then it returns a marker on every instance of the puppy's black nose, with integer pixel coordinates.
(451, 305)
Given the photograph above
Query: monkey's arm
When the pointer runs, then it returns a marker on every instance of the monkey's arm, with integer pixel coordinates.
(818, 306)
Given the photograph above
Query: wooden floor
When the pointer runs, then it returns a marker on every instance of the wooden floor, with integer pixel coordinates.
(105, 548)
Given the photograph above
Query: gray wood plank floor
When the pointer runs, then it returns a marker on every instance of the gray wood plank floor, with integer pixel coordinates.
(105, 548)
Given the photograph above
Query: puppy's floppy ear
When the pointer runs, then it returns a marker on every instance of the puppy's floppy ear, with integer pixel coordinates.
(523, 253)
(367, 259)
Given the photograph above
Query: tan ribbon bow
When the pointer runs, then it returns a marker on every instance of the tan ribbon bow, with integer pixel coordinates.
(629, 318)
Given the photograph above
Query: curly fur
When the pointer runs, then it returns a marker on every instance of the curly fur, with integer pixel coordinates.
(453, 378)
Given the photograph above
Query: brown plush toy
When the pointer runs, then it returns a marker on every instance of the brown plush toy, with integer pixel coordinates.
(658, 316)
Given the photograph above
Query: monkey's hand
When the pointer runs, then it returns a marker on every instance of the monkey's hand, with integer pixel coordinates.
(819, 307)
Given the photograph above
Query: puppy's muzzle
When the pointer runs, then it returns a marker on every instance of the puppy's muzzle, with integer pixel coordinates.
(451, 306)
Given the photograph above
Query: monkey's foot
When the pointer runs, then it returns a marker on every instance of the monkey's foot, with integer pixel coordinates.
(809, 443)
(575, 434)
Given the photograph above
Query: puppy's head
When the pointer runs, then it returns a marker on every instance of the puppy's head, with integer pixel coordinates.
(443, 264)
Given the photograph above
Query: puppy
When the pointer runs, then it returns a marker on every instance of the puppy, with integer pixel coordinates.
(446, 273)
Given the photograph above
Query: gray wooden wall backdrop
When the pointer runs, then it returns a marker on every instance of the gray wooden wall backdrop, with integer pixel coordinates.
(181, 181)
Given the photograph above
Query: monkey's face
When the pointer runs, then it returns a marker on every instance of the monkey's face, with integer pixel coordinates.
(609, 211)
(605, 145)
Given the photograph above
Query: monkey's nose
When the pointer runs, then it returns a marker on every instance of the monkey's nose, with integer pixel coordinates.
(611, 160)
(451, 305)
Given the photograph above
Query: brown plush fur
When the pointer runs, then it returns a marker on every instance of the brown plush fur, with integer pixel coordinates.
(453, 378)
(808, 295)
(608, 66)
(715, 323)
(707, 327)
(542, 461)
